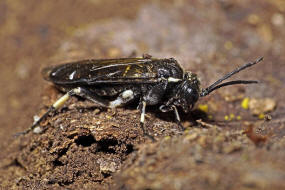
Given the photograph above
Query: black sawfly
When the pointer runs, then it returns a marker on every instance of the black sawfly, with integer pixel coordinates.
(112, 83)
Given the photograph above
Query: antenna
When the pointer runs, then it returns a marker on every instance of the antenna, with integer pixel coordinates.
(217, 84)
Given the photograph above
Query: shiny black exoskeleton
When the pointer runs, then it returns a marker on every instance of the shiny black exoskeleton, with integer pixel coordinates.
(116, 82)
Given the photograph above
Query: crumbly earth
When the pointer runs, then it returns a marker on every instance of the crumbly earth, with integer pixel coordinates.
(230, 141)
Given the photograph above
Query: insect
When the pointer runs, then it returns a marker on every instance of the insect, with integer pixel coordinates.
(112, 83)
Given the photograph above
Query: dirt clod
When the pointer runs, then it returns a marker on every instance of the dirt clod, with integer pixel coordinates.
(261, 106)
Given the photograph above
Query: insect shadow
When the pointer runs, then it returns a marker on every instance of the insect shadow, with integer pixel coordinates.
(191, 117)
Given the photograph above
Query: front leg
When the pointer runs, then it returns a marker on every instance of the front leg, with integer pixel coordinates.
(177, 118)
(164, 108)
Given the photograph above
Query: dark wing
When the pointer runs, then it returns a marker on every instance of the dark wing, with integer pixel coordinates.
(100, 71)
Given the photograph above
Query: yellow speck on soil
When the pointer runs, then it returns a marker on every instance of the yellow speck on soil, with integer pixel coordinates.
(261, 116)
(227, 117)
(245, 103)
(228, 45)
(253, 19)
(203, 107)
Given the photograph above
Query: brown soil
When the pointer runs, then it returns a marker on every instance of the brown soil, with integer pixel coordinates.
(224, 145)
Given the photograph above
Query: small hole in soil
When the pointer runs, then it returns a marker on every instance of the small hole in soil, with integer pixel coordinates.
(130, 149)
(57, 163)
(107, 145)
(85, 140)
(106, 175)
(104, 145)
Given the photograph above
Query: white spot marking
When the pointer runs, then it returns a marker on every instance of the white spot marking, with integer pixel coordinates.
(77, 90)
(176, 113)
(61, 101)
(128, 94)
(171, 79)
(37, 130)
(36, 118)
(143, 112)
(123, 98)
(116, 103)
(72, 75)
(142, 118)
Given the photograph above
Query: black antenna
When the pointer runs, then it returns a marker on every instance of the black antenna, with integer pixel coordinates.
(217, 84)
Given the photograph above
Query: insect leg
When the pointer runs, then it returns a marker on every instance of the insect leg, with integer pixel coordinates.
(142, 109)
(59, 103)
(52, 108)
(177, 118)
(84, 93)
(122, 99)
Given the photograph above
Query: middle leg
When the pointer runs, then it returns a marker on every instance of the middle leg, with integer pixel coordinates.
(142, 107)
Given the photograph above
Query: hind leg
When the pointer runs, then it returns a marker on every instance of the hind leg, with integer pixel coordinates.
(123, 98)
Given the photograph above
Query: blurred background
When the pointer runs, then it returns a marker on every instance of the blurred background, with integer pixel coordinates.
(206, 37)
